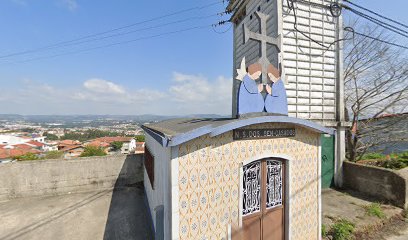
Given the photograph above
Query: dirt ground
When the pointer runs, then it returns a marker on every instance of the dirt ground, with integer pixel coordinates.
(352, 206)
(396, 229)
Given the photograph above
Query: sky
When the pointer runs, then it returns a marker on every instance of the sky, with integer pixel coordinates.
(188, 72)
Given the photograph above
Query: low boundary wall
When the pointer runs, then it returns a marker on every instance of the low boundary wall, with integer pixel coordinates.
(55, 177)
(380, 183)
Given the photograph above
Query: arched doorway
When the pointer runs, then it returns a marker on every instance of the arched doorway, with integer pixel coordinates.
(263, 200)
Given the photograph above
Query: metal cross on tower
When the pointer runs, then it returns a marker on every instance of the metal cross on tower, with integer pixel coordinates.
(264, 39)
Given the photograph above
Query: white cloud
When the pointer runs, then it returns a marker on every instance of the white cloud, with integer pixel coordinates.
(103, 86)
(196, 94)
(186, 94)
(72, 5)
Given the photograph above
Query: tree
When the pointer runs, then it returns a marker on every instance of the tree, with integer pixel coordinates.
(375, 76)
(88, 134)
(51, 137)
(140, 138)
(91, 151)
(116, 146)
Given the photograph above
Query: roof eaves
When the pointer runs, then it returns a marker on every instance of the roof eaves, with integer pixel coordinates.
(270, 119)
(182, 138)
(161, 138)
(215, 130)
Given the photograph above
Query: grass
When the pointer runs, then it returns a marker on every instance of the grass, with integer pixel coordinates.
(342, 229)
(374, 209)
(371, 156)
(324, 230)
(392, 161)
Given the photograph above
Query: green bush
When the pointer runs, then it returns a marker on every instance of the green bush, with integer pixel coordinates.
(140, 138)
(395, 163)
(370, 156)
(374, 209)
(324, 230)
(403, 156)
(26, 157)
(116, 146)
(342, 229)
(91, 151)
(53, 155)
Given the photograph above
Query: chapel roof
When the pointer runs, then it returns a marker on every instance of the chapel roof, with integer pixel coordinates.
(174, 132)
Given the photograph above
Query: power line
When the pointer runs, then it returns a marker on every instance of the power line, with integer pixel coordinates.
(111, 36)
(385, 25)
(115, 44)
(379, 22)
(378, 39)
(333, 10)
(377, 14)
(113, 30)
(222, 23)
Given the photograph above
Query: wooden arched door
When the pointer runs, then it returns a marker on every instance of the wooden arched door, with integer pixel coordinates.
(263, 201)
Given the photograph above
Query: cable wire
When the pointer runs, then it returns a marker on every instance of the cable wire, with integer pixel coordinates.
(114, 44)
(291, 7)
(116, 35)
(378, 39)
(112, 30)
(377, 14)
(385, 25)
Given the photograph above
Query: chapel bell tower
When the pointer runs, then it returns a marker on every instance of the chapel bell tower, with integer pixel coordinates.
(299, 39)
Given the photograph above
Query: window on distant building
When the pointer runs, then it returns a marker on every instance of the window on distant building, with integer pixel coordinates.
(149, 165)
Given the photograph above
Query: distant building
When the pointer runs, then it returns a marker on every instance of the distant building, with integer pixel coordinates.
(140, 148)
(37, 145)
(51, 146)
(68, 143)
(40, 139)
(129, 144)
(14, 146)
(72, 151)
(15, 152)
(10, 140)
(100, 144)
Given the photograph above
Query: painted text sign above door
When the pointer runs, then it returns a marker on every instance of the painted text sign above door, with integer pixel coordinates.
(241, 134)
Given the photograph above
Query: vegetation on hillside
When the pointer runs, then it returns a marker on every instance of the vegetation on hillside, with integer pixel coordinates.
(91, 151)
(46, 155)
(140, 138)
(51, 137)
(392, 161)
(89, 134)
(116, 146)
(53, 155)
(26, 157)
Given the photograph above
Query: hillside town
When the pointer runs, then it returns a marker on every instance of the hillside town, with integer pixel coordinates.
(210, 120)
(25, 141)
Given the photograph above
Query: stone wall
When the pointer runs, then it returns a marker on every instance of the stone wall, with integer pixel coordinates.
(54, 177)
(382, 184)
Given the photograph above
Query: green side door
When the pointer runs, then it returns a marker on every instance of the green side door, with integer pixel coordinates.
(327, 161)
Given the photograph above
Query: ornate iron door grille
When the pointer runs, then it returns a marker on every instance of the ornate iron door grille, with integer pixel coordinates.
(251, 188)
(273, 183)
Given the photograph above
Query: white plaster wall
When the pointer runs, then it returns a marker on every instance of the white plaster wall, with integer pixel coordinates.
(310, 69)
(160, 195)
(175, 215)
